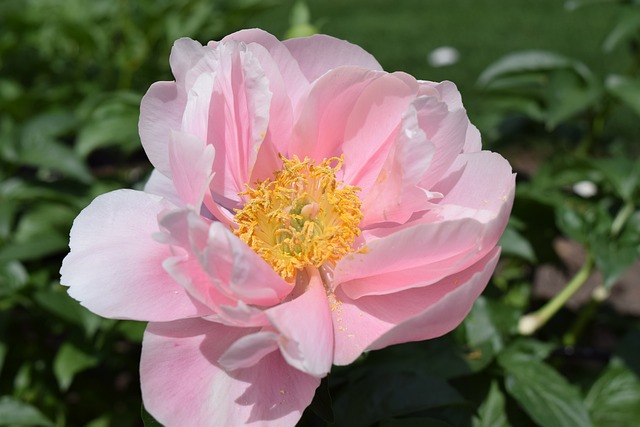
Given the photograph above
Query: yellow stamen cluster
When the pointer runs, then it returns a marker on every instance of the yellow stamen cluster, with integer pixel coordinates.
(302, 217)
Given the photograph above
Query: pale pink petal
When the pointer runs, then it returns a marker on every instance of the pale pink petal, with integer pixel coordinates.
(446, 130)
(190, 160)
(432, 248)
(183, 383)
(374, 322)
(216, 266)
(448, 93)
(236, 268)
(162, 186)
(161, 112)
(482, 180)
(187, 233)
(372, 124)
(115, 265)
(185, 55)
(249, 350)
(305, 326)
(396, 196)
(240, 315)
(238, 120)
(320, 53)
(319, 131)
(275, 54)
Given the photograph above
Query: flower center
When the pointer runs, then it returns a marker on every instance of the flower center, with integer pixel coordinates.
(302, 217)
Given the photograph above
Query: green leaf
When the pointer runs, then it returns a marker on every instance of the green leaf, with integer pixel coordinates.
(568, 93)
(384, 395)
(39, 146)
(625, 28)
(626, 90)
(321, 404)
(3, 354)
(480, 328)
(542, 393)
(442, 357)
(63, 306)
(526, 62)
(492, 411)
(415, 422)
(15, 412)
(628, 350)
(13, 277)
(113, 121)
(147, 418)
(614, 399)
(612, 258)
(132, 329)
(514, 243)
(69, 361)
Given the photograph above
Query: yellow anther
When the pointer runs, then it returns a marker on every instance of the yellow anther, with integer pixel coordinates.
(302, 217)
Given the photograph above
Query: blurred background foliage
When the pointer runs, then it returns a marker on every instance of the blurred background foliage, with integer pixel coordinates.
(554, 86)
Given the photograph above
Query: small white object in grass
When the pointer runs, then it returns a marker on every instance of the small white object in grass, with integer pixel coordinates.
(443, 56)
(528, 324)
(585, 189)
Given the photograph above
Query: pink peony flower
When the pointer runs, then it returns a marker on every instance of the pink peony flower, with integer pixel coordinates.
(305, 207)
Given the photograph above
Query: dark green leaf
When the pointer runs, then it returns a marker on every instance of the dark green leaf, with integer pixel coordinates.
(492, 411)
(480, 328)
(13, 276)
(526, 62)
(69, 361)
(15, 412)
(112, 122)
(625, 28)
(628, 350)
(387, 395)
(321, 404)
(415, 422)
(625, 90)
(38, 146)
(63, 306)
(514, 243)
(614, 399)
(542, 393)
(147, 418)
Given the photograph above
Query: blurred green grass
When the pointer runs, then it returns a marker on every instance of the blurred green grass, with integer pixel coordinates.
(401, 33)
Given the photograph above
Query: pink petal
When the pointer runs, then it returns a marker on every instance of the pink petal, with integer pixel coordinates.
(183, 383)
(249, 350)
(446, 129)
(305, 326)
(481, 181)
(115, 266)
(275, 55)
(448, 93)
(161, 111)
(418, 255)
(185, 54)
(320, 53)
(216, 266)
(162, 186)
(191, 161)
(238, 119)
(319, 131)
(373, 121)
(395, 196)
(236, 268)
(375, 322)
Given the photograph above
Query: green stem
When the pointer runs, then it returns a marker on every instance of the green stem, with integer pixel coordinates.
(533, 321)
(621, 218)
(584, 317)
